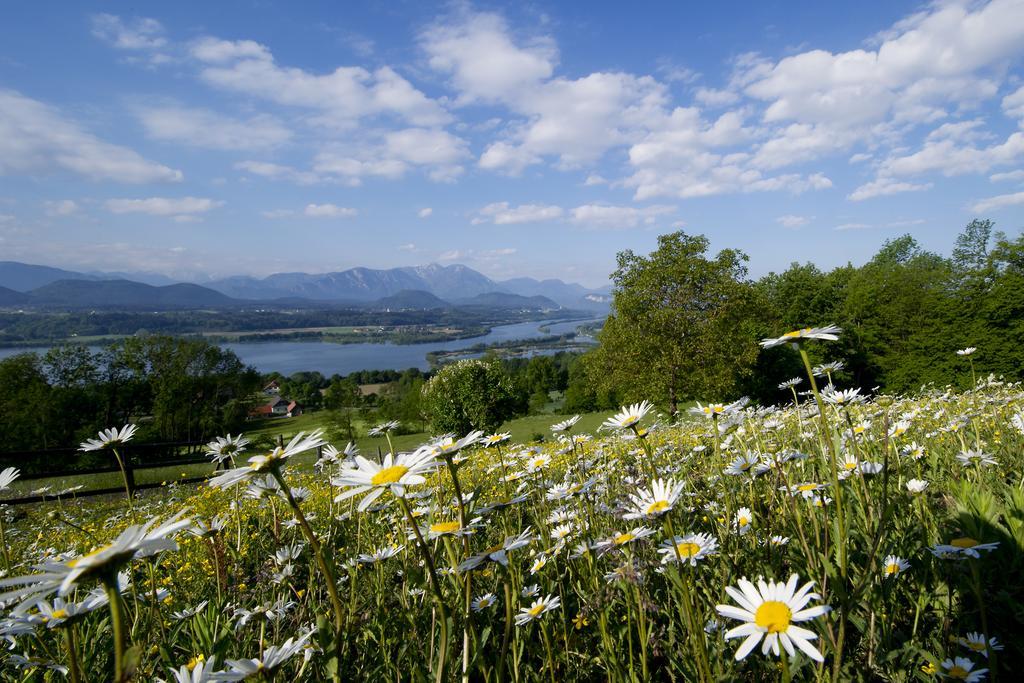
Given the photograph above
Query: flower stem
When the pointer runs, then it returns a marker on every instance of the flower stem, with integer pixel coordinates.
(436, 585)
(117, 624)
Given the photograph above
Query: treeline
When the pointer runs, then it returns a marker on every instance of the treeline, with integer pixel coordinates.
(37, 326)
(175, 389)
(536, 383)
(686, 324)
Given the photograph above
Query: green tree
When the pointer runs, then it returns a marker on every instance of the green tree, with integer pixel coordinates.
(470, 394)
(682, 324)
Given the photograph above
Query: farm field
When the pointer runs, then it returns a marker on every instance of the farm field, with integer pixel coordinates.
(839, 538)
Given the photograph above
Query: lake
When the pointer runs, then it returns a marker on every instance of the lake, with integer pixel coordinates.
(288, 357)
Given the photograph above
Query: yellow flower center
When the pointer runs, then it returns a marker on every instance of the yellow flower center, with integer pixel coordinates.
(389, 475)
(850, 465)
(444, 527)
(976, 646)
(537, 462)
(806, 487)
(659, 506)
(624, 538)
(892, 568)
(535, 610)
(965, 542)
(60, 614)
(959, 672)
(797, 333)
(78, 560)
(773, 616)
(687, 549)
(742, 521)
(493, 549)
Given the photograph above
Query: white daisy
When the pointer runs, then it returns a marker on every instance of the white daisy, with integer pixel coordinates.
(688, 549)
(893, 566)
(962, 669)
(394, 474)
(109, 438)
(656, 501)
(770, 610)
(628, 416)
(537, 610)
(827, 333)
(260, 464)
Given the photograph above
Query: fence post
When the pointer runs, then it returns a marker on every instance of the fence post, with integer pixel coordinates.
(129, 473)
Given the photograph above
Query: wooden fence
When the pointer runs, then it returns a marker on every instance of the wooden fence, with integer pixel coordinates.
(69, 462)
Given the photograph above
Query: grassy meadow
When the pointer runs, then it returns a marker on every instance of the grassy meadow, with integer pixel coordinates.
(835, 537)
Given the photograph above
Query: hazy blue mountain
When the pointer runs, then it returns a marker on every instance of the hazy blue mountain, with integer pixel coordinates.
(21, 277)
(364, 284)
(146, 277)
(567, 294)
(10, 297)
(410, 299)
(447, 283)
(125, 294)
(507, 300)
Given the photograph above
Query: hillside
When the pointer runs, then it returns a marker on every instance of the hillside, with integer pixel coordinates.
(509, 301)
(125, 294)
(10, 297)
(410, 299)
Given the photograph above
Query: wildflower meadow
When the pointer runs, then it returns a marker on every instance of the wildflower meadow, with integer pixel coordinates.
(836, 536)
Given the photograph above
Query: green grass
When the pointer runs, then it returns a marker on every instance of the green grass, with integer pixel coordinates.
(523, 431)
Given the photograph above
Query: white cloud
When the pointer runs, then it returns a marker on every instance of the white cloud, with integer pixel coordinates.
(36, 138)
(852, 226)
(328, 211)
(273, 171)
(60, 207)
(425, 212)
(1012, 176)
(594, 179)
(921, 62)
(163, 206)
(207, 129)
(998, 202)
(341, 97)
(407, 247)
(859, 157)
(501, 213)
(1013, 105)
(217, 51)
(885, 186)
(791, 221)
(710, 97)
(606, 216)
(952, 156)
(136, 34)
(484, 63)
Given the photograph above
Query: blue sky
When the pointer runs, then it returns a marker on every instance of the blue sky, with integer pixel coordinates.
(533, 139)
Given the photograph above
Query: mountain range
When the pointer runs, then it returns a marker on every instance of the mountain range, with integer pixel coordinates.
(454, 284)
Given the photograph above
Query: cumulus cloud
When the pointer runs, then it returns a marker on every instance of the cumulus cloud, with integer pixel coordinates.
(483, 61)
(60, 207)
(501, 213)
(163, 206)
(425, 212)
(328, 211)
(340, 98)
(210, 130)
(791, 221)
(274, 171)
(37, 138)
(616, 217)
(1011, 176)
(998, 202)
(134, 34)
(882, 187)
